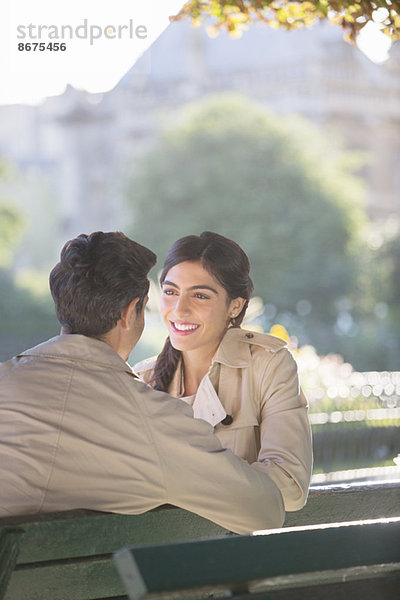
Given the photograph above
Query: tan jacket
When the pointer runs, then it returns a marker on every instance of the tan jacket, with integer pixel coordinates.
(253, 378)
(79, 430)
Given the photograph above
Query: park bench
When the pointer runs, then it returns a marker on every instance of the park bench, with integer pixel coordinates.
(68, 556)
(358, 560)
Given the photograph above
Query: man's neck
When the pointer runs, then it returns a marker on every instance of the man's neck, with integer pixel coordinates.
(117, 342)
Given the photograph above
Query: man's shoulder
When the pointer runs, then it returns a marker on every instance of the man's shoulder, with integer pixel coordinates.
(79, 349)
(21, 358)
(40, 348)
(8, 366)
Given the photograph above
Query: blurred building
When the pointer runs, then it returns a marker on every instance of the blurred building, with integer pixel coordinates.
(83, 146)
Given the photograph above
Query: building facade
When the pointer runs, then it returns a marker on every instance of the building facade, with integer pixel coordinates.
(82, 147)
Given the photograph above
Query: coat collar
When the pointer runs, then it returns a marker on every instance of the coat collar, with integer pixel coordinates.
(206, 404)
(79, 348)
(234, 350)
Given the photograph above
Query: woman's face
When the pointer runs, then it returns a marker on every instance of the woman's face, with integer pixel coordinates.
(195, 307)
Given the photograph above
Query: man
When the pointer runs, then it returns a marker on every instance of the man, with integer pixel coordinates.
(79, 430)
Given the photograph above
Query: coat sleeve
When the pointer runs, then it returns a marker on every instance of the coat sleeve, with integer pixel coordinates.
(285, 435)
(201, 476)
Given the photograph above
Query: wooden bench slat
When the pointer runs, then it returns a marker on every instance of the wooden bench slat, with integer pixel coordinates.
(10, 544)
(384, 588)
(86, 533)
(371, 573)
(244, 559)
(87, 579)
(348, 502)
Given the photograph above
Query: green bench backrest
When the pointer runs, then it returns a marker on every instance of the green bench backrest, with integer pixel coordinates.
(292, 558)
(68, 556)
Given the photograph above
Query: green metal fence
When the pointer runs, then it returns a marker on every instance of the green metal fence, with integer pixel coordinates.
(355, 438)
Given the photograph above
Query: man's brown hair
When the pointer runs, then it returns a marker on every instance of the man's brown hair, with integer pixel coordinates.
(97, 277)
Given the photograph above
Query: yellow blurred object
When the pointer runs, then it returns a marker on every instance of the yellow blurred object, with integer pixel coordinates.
(280, 331)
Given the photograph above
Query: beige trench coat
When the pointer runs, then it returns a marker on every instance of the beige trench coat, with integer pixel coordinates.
(253, 378)
(79, 430)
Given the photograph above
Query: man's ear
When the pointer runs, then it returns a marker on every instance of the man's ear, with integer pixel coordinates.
(128, 314)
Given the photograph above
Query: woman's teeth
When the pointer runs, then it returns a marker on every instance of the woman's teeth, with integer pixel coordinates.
(185, 326)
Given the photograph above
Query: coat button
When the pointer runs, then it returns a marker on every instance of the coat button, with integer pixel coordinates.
(227, 421)
(249, 335)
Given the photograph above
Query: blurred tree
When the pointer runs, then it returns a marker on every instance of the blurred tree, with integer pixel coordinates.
(25, 318)
(388, 306)
(275, 185)
(11, 223)
(368, 324)
(352, 16)
(391, 254)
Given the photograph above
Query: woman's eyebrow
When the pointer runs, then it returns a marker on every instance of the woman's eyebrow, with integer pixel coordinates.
(166, 282)
(193, 287)
(203, 287)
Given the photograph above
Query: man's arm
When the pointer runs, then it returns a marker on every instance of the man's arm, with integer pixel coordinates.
(200, 475)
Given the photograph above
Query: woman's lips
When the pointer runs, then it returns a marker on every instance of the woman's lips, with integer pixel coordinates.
(183, 328)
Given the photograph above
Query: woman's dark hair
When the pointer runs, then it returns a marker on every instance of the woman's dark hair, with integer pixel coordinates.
(224, 260)
(97, 277)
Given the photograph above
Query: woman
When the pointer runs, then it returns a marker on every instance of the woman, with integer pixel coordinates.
(244, 384)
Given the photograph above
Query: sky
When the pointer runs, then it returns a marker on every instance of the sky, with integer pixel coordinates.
(102, 42)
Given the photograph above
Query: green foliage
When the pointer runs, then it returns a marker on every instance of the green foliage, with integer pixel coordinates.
(390, 256)
(375, 302)
(11, 224)
(26, 309)
(273, 184)
(10, 231)
(234, 15)
(25, 319)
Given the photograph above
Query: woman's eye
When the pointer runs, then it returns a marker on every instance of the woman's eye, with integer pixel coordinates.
(201, 296)
(168, 292)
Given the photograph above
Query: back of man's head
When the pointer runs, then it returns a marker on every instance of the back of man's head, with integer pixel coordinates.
(97, 277)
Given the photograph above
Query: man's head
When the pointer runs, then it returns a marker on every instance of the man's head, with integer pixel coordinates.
(97, 277)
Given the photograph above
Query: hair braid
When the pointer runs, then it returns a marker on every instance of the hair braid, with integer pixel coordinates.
(165, 367)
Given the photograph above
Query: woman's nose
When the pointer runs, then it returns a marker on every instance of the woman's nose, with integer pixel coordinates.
(182, 306)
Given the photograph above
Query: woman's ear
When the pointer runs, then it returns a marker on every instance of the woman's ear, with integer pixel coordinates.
(235, 307)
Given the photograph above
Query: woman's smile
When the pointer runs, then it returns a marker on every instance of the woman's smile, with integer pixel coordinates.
(184, 328)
